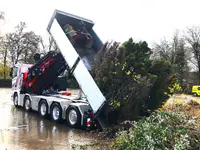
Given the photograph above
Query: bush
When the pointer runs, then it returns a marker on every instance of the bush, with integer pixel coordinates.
(160, 91)
(161, 130)
(131, 82)
(4, 71)
(5, 82)
(121, 73)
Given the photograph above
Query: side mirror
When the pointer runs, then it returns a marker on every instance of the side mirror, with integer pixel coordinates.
(36, 57)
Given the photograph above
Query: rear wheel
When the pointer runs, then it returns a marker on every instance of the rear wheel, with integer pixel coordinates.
(43, 108)
(73, 117)
(56, 112)
(27, 103)
(15, 100)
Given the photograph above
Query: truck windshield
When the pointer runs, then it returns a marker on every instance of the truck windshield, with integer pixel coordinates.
(24, 69)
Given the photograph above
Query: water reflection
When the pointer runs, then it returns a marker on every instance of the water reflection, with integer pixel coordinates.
(27, 130)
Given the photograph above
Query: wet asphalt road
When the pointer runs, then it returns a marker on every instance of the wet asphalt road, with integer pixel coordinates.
(20, 130)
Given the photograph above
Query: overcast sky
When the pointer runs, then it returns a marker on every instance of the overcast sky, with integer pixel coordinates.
(148, 20)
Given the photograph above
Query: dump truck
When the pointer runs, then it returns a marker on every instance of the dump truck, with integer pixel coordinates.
(36, 86)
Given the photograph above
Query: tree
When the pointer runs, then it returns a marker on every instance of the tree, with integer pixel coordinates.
(193, 38)
(180, 57)
(131, 82)
(4, 54)
(162, 50)
(180, 64)
(174, 52)
(14, 41)
(22, 45)
(159, 91)
(4, 71)
(30, 47)
(50, 46)
(2, 15)
(167, 50)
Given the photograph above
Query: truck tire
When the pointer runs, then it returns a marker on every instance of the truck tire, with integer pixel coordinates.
(56, 113)
(73, 117)
(195, 94)
(43, 108)
(27, 103)
(15, 100)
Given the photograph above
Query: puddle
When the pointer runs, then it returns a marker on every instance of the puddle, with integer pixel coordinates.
(20, 130)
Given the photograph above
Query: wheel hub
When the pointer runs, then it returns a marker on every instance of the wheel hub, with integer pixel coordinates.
(27, 104)
(56, 113)
(72, 117)
(43, 109)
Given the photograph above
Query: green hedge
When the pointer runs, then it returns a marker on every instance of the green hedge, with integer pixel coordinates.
(5, 82)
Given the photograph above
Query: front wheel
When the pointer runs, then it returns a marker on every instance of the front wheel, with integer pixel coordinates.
(15, 100)
(195, 94)
(73, 117)
(56, 113)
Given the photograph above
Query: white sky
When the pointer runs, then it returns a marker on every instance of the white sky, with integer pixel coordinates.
(148, 20)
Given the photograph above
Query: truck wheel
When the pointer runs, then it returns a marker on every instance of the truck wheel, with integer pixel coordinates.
(15, 100)
(27, 103)
(43, 108)
(195, 94)
(56, 113)
(73, 117)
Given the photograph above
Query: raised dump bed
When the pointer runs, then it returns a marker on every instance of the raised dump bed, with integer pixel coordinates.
(81, 35)
(74, 54)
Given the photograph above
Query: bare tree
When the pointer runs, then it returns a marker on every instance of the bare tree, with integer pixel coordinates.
(2, 15)
(22, 45)
(193, 38)
(48, 47)
(175, 44)
(175, 52)
(14, 42)
(3, 49)
(167, 49)
(4, 54)
(162, 50)
(30, 47)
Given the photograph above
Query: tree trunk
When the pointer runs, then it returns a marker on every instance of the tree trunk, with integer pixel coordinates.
(16, 61)
(25, 56)
(4, 64)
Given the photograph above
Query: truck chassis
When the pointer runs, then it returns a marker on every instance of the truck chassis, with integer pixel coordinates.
(75, 112)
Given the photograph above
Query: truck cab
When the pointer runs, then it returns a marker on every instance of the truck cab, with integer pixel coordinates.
(16, 74)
